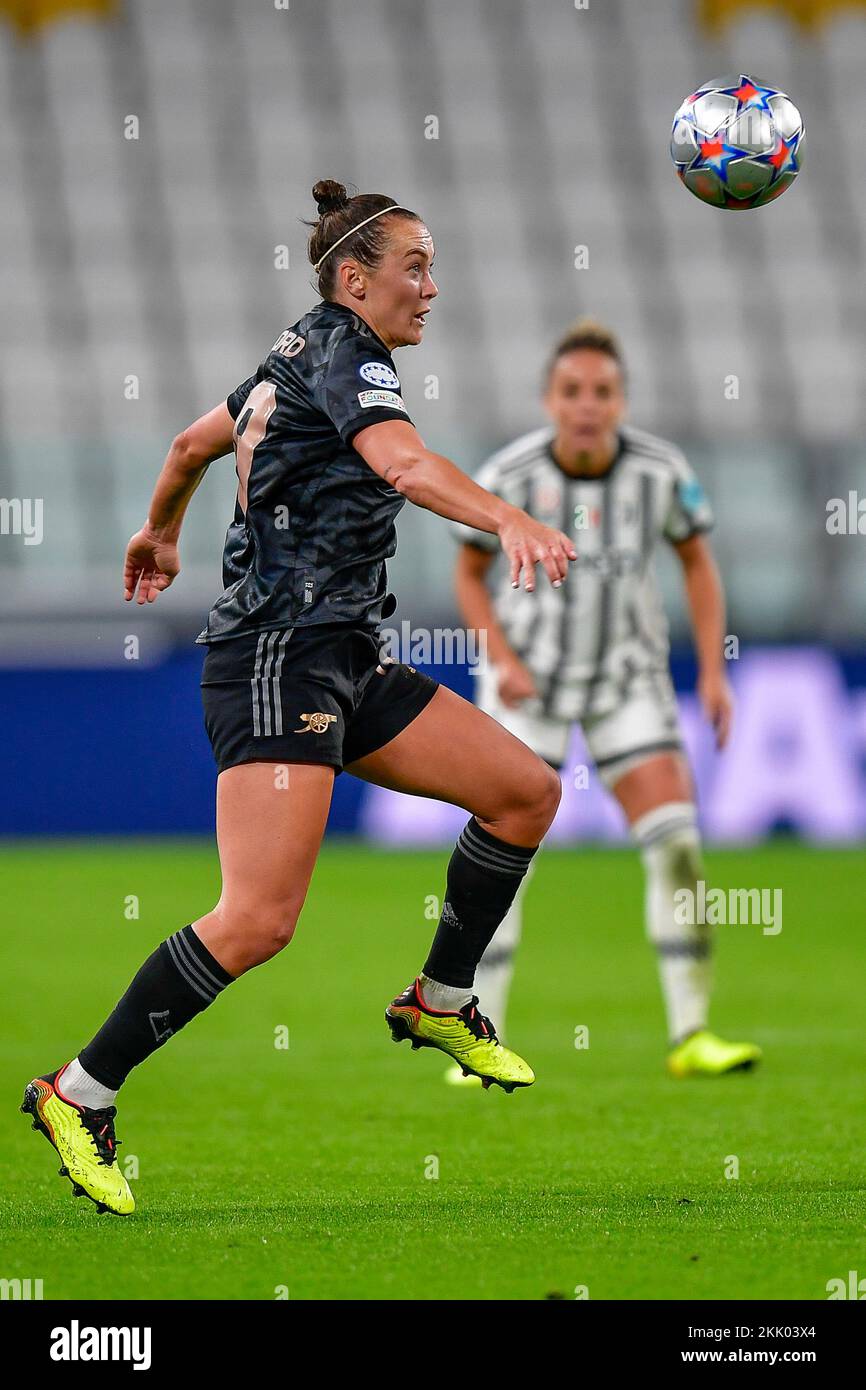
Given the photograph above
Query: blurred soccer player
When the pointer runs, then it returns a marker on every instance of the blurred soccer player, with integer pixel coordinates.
(596, 653)
(293, 685)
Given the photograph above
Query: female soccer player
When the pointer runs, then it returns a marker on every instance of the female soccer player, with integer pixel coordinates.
(293, 687)
(598, 655)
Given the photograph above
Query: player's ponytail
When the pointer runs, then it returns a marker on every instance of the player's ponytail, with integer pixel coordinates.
(353, 226)
(330, 196)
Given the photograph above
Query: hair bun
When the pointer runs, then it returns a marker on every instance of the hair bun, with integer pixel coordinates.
(330, 196)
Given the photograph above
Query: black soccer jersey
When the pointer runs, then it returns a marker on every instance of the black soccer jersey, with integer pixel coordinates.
(313, 524)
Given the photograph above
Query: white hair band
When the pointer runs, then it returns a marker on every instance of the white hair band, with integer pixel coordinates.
(395, 207)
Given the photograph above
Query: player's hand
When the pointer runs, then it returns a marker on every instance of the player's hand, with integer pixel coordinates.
(528, 542)
(717, 702)
(514, 682)
(151, 564)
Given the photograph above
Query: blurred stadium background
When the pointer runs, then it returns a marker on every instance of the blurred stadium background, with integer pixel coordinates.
(156, 159)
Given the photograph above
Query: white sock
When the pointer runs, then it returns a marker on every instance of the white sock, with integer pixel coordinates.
(671, 852)
(496, 967)
(448, 999)
(79, 1086)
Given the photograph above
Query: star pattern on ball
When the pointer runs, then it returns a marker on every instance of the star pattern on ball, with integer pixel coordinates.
(784, 157)
(737, 145)
(750, 95)
(716, 154)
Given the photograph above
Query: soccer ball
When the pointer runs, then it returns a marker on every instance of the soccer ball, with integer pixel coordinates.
(737, 143)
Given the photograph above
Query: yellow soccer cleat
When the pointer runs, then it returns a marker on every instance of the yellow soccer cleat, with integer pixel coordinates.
(85, 1141)
(466, 1036)
(704, 1054)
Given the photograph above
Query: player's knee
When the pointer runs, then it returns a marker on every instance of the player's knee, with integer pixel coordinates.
(685, 865)
(263, 929)
(538, 793)
(552, 792)
(277, 927)
(676, 858)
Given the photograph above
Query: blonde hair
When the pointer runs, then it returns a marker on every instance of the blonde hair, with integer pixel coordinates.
(587, 333)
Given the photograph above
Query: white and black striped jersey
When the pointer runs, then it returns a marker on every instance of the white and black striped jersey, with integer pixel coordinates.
(586, 641)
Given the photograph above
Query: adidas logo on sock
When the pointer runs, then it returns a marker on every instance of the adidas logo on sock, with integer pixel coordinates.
(160, 1025)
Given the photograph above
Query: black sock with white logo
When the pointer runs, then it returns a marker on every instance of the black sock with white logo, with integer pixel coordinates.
(177, 982)
(484, 874)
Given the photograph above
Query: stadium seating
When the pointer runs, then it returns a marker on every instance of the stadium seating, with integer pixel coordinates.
(154, 258)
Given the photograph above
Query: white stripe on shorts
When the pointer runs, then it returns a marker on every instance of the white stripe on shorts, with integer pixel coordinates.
(265, 683)
(275, 682)
(257, 671)
(266, 694)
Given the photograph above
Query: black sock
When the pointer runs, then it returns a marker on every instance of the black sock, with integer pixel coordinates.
(484, 874)
(177, 982)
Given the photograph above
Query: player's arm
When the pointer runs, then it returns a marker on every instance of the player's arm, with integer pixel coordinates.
(395, 450)
(706, 601)
(474, 600)
(152, 560)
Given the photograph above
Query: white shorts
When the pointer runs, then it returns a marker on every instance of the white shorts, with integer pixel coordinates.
(644, 724)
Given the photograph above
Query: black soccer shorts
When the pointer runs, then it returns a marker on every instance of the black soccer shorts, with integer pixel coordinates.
(318, 694)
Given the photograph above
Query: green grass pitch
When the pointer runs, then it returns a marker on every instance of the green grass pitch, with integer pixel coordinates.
(310, 1168)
